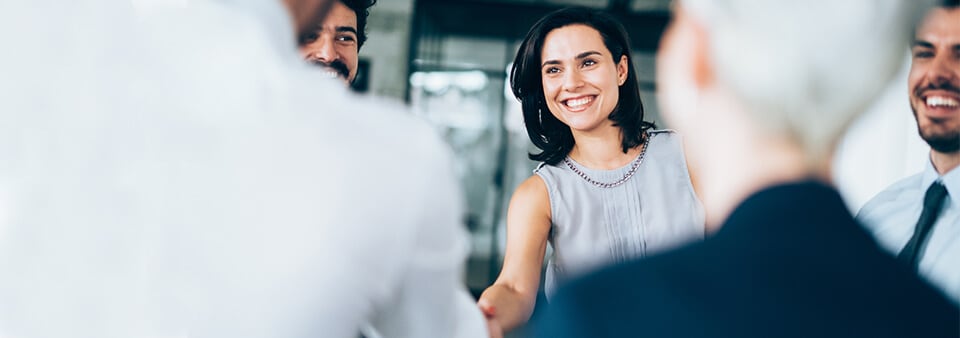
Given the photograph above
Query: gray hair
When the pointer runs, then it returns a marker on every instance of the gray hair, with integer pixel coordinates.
(806, 69)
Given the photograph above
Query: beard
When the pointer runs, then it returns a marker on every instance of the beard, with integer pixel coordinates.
(942, 142)
(337, 66)
(938, 135)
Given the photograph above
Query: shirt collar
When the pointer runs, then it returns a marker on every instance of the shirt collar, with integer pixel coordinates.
(951, 180)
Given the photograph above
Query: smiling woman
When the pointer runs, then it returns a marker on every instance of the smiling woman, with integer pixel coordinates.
(609, 188)
(580, 86)
(599, 47)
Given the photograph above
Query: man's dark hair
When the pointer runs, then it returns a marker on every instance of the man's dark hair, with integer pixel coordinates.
(946, 4)
(362, 9)
(546, 131)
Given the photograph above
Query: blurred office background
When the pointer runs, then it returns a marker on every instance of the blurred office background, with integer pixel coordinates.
(449, 60)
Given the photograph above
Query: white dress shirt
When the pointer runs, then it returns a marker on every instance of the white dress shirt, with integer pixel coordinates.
(184, 174)
(892, 217)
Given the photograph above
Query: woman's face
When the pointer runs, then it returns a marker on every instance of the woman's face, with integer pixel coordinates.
(580, 80)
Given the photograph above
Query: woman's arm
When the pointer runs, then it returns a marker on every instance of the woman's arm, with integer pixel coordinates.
(510, 300)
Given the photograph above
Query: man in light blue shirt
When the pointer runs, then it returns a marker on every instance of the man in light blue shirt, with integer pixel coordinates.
(918, 218)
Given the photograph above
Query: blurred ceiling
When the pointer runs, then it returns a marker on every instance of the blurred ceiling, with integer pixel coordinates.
(510, 19)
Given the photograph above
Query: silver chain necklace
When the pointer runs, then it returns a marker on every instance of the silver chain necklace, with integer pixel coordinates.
(627, 176)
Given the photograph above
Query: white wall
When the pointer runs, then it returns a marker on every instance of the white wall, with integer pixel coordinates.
(881, 147)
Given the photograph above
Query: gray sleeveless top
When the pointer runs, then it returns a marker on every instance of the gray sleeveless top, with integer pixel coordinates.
(652, 211)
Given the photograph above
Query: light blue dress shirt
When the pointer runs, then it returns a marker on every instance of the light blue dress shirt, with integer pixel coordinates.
(892, 216)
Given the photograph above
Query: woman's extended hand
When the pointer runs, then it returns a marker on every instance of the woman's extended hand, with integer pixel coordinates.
(493, 325)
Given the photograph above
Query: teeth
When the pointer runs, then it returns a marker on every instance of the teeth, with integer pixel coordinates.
(331, 74)
(579, 102)
(940, 101)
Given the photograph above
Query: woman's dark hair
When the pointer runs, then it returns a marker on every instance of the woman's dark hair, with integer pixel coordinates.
(546, 131)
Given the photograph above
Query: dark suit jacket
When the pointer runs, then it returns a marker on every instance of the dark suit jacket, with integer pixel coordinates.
(789, 262)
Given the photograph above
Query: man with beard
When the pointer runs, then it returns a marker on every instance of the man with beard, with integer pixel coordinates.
(335, 44)
(918, 218)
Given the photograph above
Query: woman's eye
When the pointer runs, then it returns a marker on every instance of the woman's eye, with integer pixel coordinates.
(552, 70)
(589, 63)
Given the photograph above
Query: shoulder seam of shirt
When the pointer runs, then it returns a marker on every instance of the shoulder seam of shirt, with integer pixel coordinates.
(888, 194)
(662, 131)
(540, 166)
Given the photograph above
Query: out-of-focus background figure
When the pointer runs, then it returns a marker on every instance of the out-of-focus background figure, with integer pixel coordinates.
(609, 187)
(918, 218)
(178, 178)
(763, 98)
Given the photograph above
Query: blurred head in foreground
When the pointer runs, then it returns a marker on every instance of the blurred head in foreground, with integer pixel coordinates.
(764, 90)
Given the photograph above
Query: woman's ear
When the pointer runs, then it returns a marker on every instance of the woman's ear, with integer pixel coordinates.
(623, 68)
